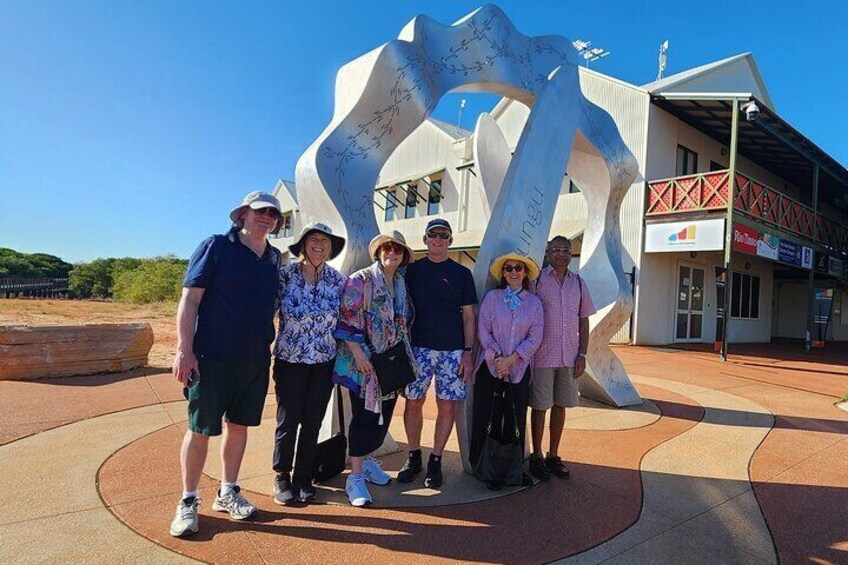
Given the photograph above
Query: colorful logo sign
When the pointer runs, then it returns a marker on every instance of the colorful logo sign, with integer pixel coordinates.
(687, 233)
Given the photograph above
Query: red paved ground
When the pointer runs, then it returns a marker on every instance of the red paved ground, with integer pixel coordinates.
(800, 471)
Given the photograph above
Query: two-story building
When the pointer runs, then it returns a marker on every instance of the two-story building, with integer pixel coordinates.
(784, 237)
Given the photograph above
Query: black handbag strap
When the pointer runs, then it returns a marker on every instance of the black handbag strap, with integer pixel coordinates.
(499, 393)
(340, 407)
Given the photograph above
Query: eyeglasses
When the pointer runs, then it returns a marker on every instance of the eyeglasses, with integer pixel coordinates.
(560, 250)
(439, 234)
(517, 268)
(392, 247)
(268, 211)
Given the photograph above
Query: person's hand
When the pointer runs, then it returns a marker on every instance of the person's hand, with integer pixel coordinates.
(501, 369)
(184, 363)
(579, 366)
(466, 367)
(362, 363)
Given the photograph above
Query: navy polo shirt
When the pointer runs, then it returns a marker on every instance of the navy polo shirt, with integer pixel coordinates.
(235, 321)
(438, 292)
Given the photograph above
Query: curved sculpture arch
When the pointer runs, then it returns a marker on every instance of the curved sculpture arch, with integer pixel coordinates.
(384, 95)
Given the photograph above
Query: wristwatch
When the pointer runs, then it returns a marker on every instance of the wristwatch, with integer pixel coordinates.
(468, 349)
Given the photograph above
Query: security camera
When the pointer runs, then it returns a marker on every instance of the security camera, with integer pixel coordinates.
(752, 111)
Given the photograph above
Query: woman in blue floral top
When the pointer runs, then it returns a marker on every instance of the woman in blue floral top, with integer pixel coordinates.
(376, 313)
(304, 355)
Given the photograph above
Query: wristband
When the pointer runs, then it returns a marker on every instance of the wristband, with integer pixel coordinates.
(583, 355)
(467, 349)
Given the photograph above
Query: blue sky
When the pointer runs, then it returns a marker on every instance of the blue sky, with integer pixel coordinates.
(132, 128)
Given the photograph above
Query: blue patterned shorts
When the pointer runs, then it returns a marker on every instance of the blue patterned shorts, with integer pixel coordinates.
(444, 365)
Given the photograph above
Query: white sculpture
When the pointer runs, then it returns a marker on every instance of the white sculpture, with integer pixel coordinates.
(381, 98)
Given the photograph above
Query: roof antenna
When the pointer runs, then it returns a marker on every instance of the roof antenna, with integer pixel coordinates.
(663, 60)
(459, 116)
(589, 55)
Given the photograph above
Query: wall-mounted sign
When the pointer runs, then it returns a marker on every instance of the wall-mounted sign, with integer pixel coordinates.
(829, 265)
(700, 235)
(796, 255)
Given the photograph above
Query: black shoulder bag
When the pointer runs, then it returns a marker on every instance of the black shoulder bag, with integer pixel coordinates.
(393, 366)
(502, 458)
(331, 453)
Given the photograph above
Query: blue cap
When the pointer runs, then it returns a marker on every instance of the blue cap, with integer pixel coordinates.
(438, 223)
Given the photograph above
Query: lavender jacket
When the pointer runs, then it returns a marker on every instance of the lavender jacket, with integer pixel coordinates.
(502, 331)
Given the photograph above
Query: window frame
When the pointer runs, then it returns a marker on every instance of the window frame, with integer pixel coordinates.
(687, 156)
(740, 282)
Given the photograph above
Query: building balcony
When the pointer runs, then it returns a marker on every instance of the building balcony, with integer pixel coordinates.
(708, 192)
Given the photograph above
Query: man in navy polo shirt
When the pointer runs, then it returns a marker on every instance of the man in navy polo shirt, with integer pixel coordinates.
(443, 333)
(225, 328)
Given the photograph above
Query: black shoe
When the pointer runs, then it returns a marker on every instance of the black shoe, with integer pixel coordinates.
(434, 479)
(557, 467)
(306, 494)
(538, 468)
(283, 490)
(411, 468)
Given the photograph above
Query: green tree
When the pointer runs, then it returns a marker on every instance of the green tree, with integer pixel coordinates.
(96, 279)
(32, 265)
(153, 280)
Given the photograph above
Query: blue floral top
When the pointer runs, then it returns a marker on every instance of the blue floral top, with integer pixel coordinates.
(308, 315)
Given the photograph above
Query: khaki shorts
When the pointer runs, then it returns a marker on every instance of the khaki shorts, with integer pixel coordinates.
(553, 385)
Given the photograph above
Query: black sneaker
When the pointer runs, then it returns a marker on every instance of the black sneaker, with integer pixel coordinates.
(557, 467)
(411, 468)
(283, 490)
(306, 494)
(434, 479)
(538, 468)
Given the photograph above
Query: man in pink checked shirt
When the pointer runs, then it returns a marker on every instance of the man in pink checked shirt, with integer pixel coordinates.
(561, 359)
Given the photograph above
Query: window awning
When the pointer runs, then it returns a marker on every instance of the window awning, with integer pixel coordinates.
(409, 179)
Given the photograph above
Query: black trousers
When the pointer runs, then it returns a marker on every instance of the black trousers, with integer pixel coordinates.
(303, 392)
(366, 434)
(484, 386)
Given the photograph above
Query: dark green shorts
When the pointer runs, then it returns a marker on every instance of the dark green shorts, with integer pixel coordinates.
(231, 390)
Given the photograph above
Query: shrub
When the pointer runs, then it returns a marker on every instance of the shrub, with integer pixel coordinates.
(153, 280)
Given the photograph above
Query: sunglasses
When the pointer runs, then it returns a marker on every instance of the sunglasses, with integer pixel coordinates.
(560, 250)
(392, 247)
(270, 212)
(439, 235)
(517, 268)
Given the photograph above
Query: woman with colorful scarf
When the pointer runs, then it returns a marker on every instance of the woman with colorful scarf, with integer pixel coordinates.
(509, 329)
(375, 315)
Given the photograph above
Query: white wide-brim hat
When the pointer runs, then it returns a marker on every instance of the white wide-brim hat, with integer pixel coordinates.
(337, 242)
(256, 200)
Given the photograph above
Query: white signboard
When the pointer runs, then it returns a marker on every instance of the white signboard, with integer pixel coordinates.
(698, 235)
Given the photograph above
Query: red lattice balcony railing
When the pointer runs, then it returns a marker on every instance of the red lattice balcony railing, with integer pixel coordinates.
(708, 191)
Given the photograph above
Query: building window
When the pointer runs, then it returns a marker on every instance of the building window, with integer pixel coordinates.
(411, 201)
(715, 166)
(391, 200)
(572, 188)
(286, 225)
(745, 297)
(434, 197)
(687, 162)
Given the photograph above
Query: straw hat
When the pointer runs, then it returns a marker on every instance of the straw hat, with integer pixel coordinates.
(337, 242)
(394, 236)
(530, 265)
(256, 200)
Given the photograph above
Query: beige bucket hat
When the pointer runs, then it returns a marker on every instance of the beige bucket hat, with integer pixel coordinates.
(394, 236)
(256, 200)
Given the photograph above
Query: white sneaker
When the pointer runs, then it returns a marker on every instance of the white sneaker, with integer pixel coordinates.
(356, 490)
(235, 503)
(185, 520)
(373, 472)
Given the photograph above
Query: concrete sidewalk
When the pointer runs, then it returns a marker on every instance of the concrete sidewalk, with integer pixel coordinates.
(743, 462)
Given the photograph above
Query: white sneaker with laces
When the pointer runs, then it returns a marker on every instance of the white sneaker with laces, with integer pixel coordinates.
(372, 470)
(235, 503)
(185, 520)
(356, 490)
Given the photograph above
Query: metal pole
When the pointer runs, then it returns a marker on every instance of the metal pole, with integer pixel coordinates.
(811, 284)
(728, 240)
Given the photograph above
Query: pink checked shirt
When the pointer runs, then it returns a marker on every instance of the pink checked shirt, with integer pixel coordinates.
(563, 310)
(503, 331)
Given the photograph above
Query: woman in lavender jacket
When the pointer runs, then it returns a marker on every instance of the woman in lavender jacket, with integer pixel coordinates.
(510, 331)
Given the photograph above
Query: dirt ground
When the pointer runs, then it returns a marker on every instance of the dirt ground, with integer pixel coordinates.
(162, 317)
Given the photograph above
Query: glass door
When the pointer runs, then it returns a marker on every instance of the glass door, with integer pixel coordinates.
(689, 318)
